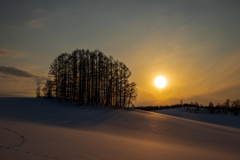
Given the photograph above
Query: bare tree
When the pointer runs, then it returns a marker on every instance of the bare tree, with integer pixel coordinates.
(48, 89)
(90, 77)
(38, 92)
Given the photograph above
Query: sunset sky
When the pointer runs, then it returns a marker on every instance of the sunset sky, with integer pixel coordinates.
(194, 44)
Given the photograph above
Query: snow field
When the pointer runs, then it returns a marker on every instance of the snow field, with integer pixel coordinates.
(47, 129)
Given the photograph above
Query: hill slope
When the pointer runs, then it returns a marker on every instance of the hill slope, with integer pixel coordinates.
(47, 129)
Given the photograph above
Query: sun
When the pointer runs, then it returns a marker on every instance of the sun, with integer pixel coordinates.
(160, 82)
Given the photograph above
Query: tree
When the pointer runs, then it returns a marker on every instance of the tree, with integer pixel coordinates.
(211, 104)
(132, 93)
(236, 103)
(48, 89)
(181, 102)
(38, 93)
(211, 107)
(90, 77)
(227, 103)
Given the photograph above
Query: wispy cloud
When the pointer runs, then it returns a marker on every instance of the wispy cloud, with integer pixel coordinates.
(13, 71)
(8, 53)
(35, 24)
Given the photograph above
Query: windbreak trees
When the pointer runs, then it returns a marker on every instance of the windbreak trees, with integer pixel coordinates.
(90, 77)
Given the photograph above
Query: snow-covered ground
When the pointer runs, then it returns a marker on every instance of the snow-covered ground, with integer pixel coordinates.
(204, 116)
(47, 129)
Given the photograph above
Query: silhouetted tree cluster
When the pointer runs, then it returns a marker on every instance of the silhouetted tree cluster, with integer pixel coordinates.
(90, 77)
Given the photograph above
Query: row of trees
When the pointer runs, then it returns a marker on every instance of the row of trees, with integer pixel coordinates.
(232, 107)
(90, 77)
(227, 104)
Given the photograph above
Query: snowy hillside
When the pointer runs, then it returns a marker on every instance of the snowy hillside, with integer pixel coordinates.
(204, 116)
(47, 129)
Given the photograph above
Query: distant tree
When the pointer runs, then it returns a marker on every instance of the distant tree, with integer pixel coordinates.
(54, 76)
(236, 103)
(38, 92)
(192, 104)
(211, 107)
(227, 103)
(132, 93)
(48, 89)
(211, 104)
(196, 104)
(181, 102)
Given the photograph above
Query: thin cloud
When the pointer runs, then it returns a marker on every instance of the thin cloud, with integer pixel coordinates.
(8, 53)
(35, 24)
(13, 71)
(8, 78)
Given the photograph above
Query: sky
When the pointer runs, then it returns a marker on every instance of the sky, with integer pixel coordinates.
(195, 45)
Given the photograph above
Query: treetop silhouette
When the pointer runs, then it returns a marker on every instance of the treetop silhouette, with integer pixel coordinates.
(90, 77)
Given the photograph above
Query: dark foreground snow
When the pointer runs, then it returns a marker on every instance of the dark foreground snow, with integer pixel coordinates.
(46, 129)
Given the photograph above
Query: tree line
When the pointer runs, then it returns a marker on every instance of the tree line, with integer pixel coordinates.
(90, 77)
(231, 107)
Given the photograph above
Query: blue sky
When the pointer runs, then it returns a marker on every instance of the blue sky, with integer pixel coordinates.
(194, 44)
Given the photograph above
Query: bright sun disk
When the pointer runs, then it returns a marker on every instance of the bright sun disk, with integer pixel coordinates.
(160, 82)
